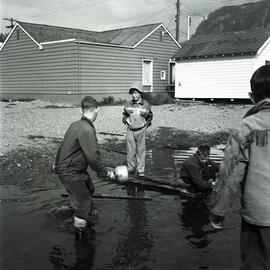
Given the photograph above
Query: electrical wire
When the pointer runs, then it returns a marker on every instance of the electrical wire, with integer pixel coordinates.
(169, 7)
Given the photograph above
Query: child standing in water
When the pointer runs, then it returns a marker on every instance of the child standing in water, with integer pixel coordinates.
(137, 116)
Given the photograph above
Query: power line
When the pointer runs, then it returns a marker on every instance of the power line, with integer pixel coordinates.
(149, 13)
(61, 9)
(168, 25)
(196, 13)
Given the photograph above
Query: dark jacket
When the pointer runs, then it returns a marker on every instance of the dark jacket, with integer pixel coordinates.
(137, 115)
(79, 149)
(197, 173)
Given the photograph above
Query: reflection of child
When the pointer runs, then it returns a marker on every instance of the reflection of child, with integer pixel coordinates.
(137, 116)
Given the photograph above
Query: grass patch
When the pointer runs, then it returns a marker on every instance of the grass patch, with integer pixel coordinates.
(110, 101)
(17, 99)
(55, 106)
(158, 99)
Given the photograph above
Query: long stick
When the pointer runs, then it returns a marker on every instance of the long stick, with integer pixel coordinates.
(119, 197)
(111, 150)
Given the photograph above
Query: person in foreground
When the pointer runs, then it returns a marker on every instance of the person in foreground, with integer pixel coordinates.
(78, 150)
(245, 173)
(199, 171)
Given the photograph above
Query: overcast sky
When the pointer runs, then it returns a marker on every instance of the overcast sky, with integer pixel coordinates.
(99, 15)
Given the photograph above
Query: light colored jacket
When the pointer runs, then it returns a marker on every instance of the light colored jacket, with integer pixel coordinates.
(245, 169)
(137, 115)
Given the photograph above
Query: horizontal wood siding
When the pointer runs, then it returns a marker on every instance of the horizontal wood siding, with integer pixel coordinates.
(28, 71)
(263, 56)
(110, 70)
(214, 78)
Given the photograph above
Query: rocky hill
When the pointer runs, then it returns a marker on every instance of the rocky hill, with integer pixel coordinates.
(236, 18)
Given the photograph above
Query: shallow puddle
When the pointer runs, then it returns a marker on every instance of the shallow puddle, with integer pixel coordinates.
(168, 232)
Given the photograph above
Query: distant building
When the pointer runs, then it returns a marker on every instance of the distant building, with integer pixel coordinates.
(57, 63)
(219, 66)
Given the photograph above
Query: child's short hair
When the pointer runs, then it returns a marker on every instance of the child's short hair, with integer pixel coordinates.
(88, 103)
(260, 82)
(203, 148)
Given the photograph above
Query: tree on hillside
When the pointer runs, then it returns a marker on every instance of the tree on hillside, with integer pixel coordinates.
(236, 18)
(3, 37)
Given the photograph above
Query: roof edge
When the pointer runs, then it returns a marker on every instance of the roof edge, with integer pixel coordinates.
(57, 41)
(160, 25)
(264, 45)
(103, 44)
(220, 55)
(11, 32)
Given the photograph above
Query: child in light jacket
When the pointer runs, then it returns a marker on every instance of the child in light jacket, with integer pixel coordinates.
(137, 116)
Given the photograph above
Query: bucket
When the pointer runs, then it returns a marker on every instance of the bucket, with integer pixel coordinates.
(122, 173)
(79, 222)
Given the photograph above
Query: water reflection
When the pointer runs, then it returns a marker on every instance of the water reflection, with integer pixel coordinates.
(85, 250)
(135, 247)
(194, 217)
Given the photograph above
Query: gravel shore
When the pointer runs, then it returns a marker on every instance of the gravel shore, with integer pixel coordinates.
(23, 121)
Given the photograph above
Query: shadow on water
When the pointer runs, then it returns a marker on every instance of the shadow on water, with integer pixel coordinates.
(84, 249)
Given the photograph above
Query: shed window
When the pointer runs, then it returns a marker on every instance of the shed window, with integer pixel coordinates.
(147, 72)
(18, 34)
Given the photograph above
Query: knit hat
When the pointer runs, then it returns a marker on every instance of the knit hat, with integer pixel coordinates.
(137, 86)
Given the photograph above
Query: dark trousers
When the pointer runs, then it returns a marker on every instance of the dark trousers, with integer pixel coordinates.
(255, 247)
(80, 189)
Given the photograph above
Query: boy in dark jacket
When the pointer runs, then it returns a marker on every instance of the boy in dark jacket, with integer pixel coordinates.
(78, 150)
(199, 170)
(137, 116)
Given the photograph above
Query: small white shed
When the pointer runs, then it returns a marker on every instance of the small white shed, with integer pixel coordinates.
(219, 66)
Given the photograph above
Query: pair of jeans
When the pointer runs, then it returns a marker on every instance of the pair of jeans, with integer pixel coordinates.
(136, 150)
(255, 247)
(80, 189)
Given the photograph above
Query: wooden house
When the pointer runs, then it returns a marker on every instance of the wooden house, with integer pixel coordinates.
(219, 66)
(65, 64)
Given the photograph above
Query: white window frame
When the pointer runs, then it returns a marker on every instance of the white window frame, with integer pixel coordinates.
(163, 75)
(151, 73)
(169, 75)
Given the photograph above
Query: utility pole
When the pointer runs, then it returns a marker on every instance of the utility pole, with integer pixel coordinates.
(11, 20)
(177, 19)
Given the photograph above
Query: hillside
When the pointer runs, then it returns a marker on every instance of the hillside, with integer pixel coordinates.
(236, 18)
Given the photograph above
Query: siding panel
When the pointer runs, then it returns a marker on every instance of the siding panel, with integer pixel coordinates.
(263, 56)
(112, 69)
(79, 69)
(214, 78)
(27, 70)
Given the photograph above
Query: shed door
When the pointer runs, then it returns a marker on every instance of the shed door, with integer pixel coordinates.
(147, 75)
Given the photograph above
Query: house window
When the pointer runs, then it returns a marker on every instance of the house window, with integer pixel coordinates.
(18, 34)
(171, 73)
(147, 74)
(267, 62)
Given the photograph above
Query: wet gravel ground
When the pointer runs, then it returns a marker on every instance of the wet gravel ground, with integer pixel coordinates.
(22, 122)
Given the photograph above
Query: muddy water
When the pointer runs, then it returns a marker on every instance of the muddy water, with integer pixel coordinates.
(168, 232)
